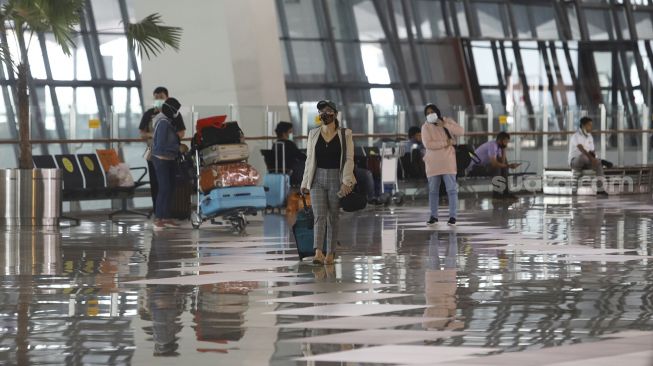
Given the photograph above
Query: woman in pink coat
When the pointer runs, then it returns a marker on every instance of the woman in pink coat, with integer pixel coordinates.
(440, 160)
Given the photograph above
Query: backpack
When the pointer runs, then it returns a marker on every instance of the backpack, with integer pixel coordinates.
(465, 154)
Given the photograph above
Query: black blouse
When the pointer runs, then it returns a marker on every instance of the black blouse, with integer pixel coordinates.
(327, 155)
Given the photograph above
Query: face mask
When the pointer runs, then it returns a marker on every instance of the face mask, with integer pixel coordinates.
(432, 118)
(290, 137)
(327, 118)
(158, 103)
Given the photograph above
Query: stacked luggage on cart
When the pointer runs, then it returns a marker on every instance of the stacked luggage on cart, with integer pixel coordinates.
(227, 184)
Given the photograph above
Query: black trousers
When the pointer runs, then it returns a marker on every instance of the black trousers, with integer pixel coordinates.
(154, 183)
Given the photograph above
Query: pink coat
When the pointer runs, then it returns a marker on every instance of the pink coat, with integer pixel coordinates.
(439, 158)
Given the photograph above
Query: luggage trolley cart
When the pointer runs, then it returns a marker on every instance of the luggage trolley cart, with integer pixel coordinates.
(233, 217)
(389, 165)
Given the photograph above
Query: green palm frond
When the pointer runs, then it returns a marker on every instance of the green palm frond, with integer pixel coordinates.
(60, 18)
(5, 54)
(56, 16)
(150, 36)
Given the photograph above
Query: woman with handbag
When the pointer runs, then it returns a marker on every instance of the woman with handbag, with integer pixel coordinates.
(440, 160)
(328, 176)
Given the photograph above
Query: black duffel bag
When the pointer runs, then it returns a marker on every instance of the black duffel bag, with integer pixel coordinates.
(227, 133)
(465, 154)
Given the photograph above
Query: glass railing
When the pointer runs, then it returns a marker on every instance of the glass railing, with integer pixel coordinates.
(540, 135)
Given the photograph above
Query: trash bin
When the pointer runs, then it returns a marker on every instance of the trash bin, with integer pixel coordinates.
(30, 197)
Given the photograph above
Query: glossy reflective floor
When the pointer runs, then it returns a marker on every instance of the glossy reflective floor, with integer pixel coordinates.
(538, 281)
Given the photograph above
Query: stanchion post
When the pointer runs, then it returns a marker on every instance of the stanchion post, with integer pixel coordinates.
(370, 124)
(620, 136)
(490, 121)
(545, 138)
(646, 119)
(604, 124)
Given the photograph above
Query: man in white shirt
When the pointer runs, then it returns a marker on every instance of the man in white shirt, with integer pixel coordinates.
(582, 154)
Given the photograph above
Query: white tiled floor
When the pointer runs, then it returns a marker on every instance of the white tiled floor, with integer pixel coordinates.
(337, 297)
(414, 355)
(328, 287)
(347, 309)
(547, 282)
(361, 322)
(379, 336)
(230, 267)
(221, 278)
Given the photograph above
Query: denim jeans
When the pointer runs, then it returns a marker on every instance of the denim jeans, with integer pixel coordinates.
(165, 174)
(452, 193)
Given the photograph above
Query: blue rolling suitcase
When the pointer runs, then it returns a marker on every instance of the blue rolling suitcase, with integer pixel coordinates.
(223, 199)
(303, 232)
(277, 183)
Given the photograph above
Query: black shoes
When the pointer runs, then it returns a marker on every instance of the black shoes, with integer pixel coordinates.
(433, 221)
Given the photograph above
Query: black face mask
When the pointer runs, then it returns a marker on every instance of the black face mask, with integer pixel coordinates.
(327, 118)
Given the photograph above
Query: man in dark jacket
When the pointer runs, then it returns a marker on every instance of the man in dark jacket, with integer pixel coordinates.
(295, 159)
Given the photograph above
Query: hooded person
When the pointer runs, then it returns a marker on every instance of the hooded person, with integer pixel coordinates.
(165, 149)
(440, 160)
(146, 129)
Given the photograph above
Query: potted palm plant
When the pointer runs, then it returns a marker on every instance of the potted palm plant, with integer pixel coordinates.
(24, 18)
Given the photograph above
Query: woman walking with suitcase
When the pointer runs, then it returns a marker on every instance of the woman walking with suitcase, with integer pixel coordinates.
(440, 160)
(329, 175)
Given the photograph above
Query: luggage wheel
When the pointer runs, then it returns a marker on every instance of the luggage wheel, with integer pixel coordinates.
(238, 224)
(398, 198)
(195, 220)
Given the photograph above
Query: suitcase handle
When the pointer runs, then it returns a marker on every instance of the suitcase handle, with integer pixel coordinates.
(276, 157)
(304, 201)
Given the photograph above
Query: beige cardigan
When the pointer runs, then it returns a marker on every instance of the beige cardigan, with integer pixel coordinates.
(346, 170)
(440, 159)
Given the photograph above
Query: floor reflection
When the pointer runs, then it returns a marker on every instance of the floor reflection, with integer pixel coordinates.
(514, 278)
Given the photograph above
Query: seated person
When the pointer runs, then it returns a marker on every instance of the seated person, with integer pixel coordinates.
(582, 154)
(414, 140)
(493, 163)
(411, 165)
(365, 183)
(295, 159)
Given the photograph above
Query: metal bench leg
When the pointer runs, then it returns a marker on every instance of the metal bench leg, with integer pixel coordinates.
(74, 221)
(125, 210)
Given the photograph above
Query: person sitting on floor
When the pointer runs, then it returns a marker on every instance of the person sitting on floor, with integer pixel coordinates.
(582, 154)
(494, 163)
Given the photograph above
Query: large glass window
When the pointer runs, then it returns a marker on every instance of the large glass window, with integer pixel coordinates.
(90, 83)
(643, 24)
(430, 18)
(490, 20)
(522, 53)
